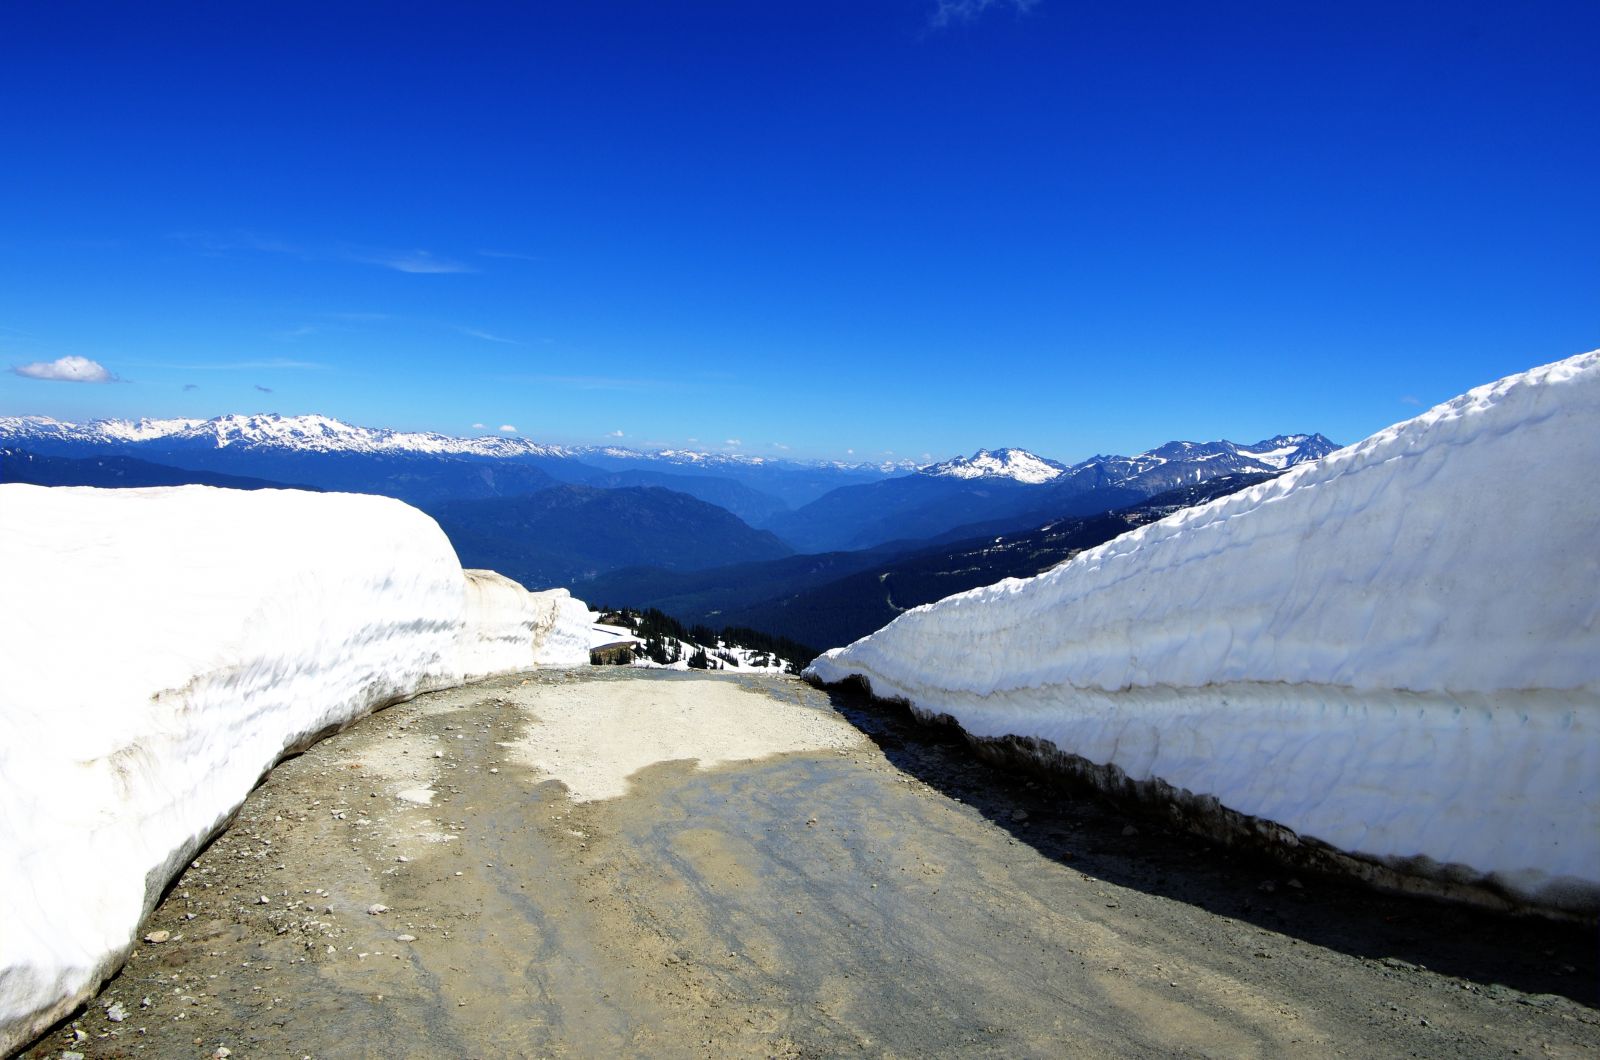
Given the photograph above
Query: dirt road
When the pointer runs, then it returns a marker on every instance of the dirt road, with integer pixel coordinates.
(421, 885)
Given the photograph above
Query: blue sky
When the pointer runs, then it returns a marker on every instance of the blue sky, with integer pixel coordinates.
(810, 228)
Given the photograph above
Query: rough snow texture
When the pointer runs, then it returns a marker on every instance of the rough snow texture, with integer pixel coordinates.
(1393, 650)
(505, 627)
(161, 648)
(568, 631)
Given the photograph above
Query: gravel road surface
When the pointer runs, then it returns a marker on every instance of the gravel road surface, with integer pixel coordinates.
(536, 866)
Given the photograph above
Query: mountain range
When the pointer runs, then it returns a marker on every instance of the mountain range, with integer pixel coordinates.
(553, 515)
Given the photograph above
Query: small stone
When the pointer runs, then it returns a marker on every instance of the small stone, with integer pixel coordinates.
(405, 938)
(116, 1013)
(156, 937)
(438, 754)
(402, 858)
(1019, 815)
(70, 1055)
(377, 909)
(1130, 830)
(494, 771)
(263, 900)
(144, 1003)
(1296, 884)
(222, 1053)
(1268, 887)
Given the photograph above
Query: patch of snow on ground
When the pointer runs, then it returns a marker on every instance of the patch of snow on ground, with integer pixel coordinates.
(592, 738)
(1393, 650)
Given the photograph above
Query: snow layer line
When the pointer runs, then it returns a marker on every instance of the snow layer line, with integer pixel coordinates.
(1393, 650)
(162, 648)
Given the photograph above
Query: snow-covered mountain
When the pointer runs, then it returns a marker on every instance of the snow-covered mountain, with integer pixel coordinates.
(1019, 465)
(324, 434)
(1001, 490)
(309, 434)
(1392, 651)
(1172, 464)
(1179, 463)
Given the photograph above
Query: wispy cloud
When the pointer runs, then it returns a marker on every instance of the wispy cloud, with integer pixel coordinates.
(480, 426)
(417, 262)
(264, 389)
(780, 447)
(66, 370)
(474, 333)
(191, 386)
(1410, 399)
(511, 255)
(954, 12)
(615, 434)
(506, 428)
(733, 443)
(270, 364)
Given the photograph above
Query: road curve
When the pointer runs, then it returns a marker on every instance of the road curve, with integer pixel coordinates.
(423, 884)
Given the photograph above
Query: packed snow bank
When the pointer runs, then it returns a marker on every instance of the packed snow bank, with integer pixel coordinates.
(568, 631)
(505, 627)
(1393, 650)
(161, 648)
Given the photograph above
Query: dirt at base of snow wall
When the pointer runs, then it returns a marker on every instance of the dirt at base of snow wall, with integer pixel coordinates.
(1205, 815)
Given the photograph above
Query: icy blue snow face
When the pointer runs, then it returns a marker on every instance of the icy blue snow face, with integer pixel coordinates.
(1394, 650)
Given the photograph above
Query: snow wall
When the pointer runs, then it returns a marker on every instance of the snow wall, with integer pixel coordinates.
(161, 649)
(1393, 651)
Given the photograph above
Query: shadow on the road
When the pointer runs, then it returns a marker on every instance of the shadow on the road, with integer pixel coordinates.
(1129, 846)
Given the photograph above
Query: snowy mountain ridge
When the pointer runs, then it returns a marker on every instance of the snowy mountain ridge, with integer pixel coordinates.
(315, 433)
(1016, 464)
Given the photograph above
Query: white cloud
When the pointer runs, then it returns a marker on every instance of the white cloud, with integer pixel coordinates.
(1411, 399)
(474, 333)
(849, 452)
(949, 12)
(780, 446)
(734, 442)
(66, 370)
(421, 262)
(506, 428)
(480, 426)
(614, 434)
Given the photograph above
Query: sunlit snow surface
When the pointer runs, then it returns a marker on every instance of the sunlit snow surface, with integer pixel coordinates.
(161, 648)
(1393, 650)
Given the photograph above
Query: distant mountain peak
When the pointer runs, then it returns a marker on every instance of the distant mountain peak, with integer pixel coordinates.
(1016, 464)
